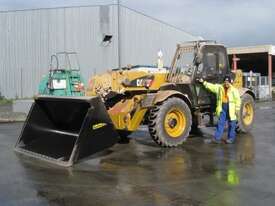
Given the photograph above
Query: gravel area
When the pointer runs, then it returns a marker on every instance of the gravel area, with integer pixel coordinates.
(7, 115)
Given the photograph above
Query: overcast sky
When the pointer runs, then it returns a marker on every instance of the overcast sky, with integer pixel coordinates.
(233, 22)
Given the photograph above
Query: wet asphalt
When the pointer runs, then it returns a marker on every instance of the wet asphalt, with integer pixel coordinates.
(141, 173)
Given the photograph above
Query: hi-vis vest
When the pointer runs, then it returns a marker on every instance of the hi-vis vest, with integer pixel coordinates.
(234, 99)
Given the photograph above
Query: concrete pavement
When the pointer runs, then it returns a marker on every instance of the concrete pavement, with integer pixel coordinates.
(141, 173)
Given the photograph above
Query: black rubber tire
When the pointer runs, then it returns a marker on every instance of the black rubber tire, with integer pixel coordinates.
(156, 122)
(241, 126)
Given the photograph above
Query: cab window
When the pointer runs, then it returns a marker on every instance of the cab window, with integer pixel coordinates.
(214, 61)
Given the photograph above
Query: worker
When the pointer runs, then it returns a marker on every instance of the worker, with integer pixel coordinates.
(227, 108)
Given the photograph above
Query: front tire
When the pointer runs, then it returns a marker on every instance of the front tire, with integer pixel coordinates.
(247, 114)
(170, 122)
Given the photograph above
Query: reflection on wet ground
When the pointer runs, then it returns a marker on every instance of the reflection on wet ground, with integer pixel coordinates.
(141, 173)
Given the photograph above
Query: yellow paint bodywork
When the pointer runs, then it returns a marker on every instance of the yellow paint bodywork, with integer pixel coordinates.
(128, 113)
(238, 82)
(112, 81)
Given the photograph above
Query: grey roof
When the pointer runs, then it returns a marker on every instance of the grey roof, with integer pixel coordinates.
(270, 49)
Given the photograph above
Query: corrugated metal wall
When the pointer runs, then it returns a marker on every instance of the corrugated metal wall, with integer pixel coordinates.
(142, 38)
(29, 37)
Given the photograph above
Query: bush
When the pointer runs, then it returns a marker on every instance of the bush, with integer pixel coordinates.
(4, 100)
(1, 97)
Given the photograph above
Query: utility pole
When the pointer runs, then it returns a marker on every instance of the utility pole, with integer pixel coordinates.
(118, 35)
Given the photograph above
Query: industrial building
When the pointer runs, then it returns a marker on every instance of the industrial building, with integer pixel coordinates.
(105, 37)
(257, 59)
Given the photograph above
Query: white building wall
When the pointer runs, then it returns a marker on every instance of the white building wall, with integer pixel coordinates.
(142, 38)
(28, 39)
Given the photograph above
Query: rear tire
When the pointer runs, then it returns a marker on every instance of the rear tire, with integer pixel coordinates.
(247, 114)
(170, 122)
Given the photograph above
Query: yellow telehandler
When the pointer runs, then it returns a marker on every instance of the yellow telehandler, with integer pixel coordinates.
(63, 130)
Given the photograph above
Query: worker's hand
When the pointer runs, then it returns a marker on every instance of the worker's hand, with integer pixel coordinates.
(200, 80)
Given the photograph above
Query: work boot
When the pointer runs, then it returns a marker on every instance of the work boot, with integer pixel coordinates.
(212, 141)
(229, 141)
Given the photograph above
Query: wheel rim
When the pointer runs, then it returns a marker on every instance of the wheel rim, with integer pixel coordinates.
(248, 113)
(175, 123)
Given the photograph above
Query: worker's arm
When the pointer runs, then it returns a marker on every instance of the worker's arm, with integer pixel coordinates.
(211, 87)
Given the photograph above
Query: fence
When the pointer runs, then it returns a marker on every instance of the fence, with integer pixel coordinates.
(258, 84)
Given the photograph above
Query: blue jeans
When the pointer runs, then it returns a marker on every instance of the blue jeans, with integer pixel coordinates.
(224, 117)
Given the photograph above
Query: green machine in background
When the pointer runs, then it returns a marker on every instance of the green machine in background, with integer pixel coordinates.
(64, 78)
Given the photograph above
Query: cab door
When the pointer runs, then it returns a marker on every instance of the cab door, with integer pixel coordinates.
(213, 67)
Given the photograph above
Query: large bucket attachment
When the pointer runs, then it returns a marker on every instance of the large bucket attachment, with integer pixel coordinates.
(63, 130)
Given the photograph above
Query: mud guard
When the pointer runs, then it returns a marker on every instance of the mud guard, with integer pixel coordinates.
(163, 95)
(243, 91)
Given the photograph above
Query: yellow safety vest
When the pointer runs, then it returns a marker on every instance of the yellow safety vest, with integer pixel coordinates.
(234, 99)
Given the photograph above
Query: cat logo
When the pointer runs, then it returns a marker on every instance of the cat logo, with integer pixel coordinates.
(99, 125)
(140, 82)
